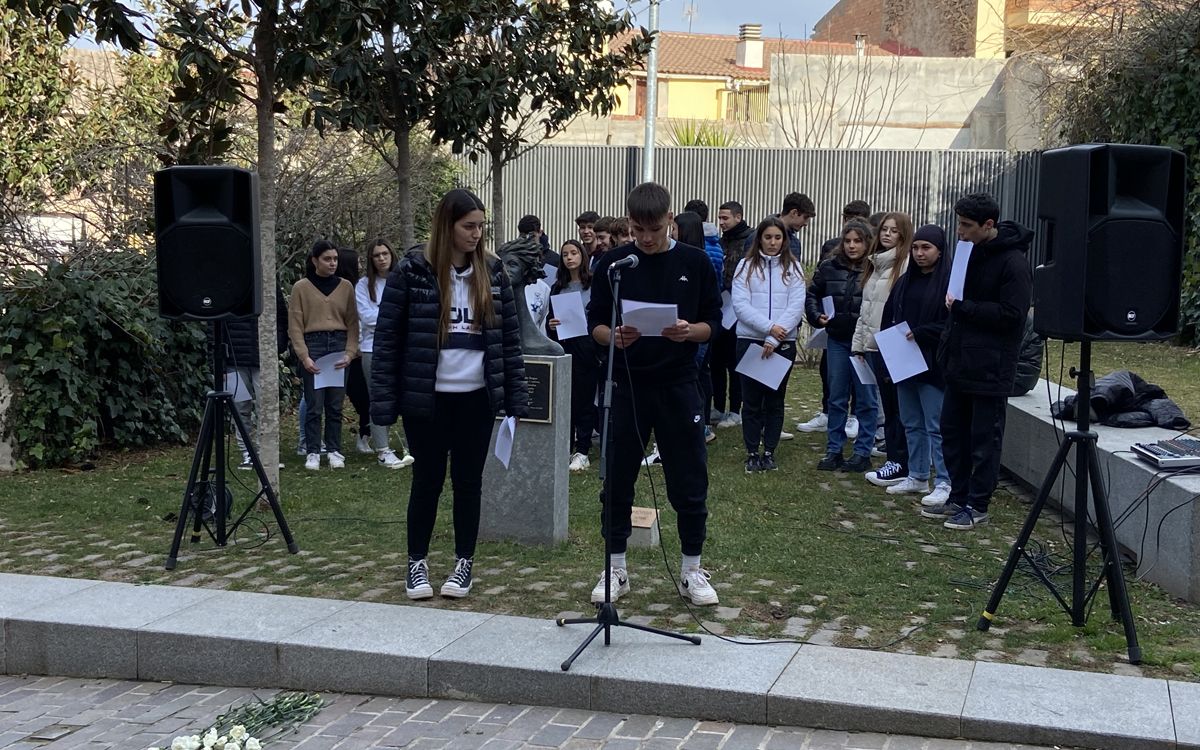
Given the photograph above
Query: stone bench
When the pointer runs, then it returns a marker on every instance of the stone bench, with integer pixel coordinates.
(1170, 559)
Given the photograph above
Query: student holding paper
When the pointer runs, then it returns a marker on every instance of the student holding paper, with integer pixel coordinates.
(978, 355)
(323, 320)
(574, 276)
(367, 294)
(768, 297)
(656, 390)
(919, 299)
(885, 266)
(447, 359)
(838, 277)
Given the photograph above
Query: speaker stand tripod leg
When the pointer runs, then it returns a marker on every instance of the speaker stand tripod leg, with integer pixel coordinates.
(1018, 549)
(264, 483)
(190, 490)
(1118, 595)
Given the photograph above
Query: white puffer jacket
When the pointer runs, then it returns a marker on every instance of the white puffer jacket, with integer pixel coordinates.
(875, 295)
(766, 299)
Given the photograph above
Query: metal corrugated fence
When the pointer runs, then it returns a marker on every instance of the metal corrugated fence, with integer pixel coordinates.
(557, 183)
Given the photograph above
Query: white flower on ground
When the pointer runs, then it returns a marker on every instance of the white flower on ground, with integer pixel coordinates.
(210, 739)
(179, 743)
(220, 743)
(238, 733)
(252, 744)
(193, 742)
(232, 745)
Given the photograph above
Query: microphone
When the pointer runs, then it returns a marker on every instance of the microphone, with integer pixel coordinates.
(629, 261)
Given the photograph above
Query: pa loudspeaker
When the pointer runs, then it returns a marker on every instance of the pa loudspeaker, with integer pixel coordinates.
(207, 243)
(1112, 227)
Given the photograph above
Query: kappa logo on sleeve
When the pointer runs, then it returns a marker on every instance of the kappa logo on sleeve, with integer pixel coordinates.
(683, 278)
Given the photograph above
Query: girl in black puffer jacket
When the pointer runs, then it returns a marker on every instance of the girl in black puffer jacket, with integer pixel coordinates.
(839, 277)
(447, 358)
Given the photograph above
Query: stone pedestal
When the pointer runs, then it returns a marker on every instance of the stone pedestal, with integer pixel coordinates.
(528, 502)
(6, 455)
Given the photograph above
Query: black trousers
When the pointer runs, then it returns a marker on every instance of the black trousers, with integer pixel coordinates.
(824, 369)
(972, 436)
(673, 413)
(893, 427)
(459, 430)
(359, 395)
(762, 407)
(723, 371)
(585, 372)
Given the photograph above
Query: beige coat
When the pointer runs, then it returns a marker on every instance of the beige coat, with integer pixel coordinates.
(875, 295)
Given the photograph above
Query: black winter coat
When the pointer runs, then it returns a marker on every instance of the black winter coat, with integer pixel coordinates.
(982, 339)
(835, 278)
(241, 336)
(733, 246)
(405, 358)
(1029, 361)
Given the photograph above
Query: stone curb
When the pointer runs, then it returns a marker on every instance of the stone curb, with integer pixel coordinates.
(74, 627)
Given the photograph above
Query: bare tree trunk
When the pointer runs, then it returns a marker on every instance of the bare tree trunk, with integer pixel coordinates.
(408, 232)
(497, 169)
(268, 395)
(401, 134)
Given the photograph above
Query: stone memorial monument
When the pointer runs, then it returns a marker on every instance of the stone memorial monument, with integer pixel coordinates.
(527, 502)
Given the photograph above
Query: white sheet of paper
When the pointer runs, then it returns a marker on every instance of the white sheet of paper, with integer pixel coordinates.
(828, 308)
(505, 436)
(866, 376)
(329, 376)
(728, 316)
(650, 318)
(240, 390)
(568, 310)
(551, 271)
(902, 356)
(770, 371)
(819, 340)
(958, 271)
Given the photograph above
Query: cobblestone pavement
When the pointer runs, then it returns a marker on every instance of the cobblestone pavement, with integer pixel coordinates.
(58, 713)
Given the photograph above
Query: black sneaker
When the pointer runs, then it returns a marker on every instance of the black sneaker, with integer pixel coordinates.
(458, 584)
(857, 464)
(416, 583)
(767, 462)
(831, 462)
(752, 463)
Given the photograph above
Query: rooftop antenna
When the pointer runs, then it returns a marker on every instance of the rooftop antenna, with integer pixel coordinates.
(690, 11)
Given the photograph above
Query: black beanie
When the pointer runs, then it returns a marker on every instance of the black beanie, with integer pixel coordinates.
(932, 234)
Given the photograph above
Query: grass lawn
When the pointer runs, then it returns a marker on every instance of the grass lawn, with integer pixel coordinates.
(796, 553)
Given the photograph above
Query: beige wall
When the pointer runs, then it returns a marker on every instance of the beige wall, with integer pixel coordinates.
(933, 103)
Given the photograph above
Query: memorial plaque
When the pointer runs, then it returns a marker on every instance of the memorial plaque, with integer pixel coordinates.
(539, 380)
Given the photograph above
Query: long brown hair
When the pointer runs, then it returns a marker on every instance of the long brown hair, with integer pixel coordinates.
(372, 274)
(564, 274)
(454, 206)
(754, 256)
(863, 229)
(903, 245)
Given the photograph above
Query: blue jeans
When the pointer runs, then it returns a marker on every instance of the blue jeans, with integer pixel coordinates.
(921, 413)
(324, 402)
(866, 403)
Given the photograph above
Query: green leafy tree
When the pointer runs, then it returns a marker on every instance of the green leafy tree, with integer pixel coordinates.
(1143, 86)
(522, 71)
(35, 92)
(379, 77)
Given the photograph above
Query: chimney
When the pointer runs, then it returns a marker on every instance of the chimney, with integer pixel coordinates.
(750, 46)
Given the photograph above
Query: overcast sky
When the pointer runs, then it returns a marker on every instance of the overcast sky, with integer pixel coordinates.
(795, 17)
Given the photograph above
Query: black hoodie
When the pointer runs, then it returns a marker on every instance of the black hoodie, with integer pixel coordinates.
(919, 299)
(733, 245)
(979, 346)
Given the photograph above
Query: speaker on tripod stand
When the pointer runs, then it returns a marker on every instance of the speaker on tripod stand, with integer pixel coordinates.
(1111, 229)
(207, 259)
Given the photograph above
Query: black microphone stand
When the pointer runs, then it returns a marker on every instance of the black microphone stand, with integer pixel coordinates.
(606, 614)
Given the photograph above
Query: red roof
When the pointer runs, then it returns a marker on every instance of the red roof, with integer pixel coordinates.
(682, 53)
